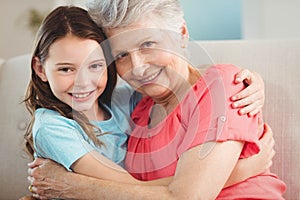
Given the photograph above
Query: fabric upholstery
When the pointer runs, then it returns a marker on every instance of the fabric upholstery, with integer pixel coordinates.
(14, 76)
(277, 61)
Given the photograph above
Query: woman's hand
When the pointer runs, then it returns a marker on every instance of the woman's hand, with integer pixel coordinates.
(252, 98)
(27, 198)
(47, 179)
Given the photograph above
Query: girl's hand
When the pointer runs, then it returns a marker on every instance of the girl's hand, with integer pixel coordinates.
(252, 98)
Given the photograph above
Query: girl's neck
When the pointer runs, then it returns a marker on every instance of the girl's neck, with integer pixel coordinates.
(98, 113)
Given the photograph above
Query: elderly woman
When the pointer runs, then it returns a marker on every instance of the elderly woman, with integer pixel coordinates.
(185, 124)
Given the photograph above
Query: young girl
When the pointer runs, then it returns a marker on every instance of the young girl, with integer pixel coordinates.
(69, 97)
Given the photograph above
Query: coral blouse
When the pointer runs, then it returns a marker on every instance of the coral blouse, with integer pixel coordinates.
(205, 114)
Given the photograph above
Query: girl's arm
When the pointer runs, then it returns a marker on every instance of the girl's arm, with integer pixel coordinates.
(251, 99)
(194, 172)
(96, 165)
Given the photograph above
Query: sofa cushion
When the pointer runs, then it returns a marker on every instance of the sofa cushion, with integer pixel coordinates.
(14, 76)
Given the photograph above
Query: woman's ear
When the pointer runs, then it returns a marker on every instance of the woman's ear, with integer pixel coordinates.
(184, 30)
(39, 69)
(184, 35)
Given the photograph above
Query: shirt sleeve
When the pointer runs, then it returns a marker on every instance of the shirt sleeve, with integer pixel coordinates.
(59, 139)
(214, 119)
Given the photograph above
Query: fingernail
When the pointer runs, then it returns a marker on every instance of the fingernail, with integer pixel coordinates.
(241, 112)
(233, 98)
(235, 105)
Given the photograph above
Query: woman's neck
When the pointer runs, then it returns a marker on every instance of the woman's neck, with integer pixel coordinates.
(163, 107)
(174, 97)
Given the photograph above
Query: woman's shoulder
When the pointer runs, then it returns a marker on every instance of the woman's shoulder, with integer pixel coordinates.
(223, 69)
(220, 73)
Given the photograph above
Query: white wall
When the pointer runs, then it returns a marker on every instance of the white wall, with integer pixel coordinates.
(213, 20)
(15, 37)
(271, 19)
(80, 3)
(262, 19)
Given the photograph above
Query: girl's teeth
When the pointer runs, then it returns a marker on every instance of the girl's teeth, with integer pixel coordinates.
(81, 95)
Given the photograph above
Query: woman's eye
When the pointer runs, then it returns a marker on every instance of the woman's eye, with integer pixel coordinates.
(120, 56)
(96, 66)
(148, 44)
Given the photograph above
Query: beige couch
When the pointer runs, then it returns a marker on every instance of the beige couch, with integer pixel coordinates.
(277, 61)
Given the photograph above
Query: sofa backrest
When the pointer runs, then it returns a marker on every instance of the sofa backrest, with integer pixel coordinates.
(276, 61)
(14, 76)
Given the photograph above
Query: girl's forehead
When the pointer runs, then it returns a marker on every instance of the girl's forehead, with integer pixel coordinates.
(74, 49)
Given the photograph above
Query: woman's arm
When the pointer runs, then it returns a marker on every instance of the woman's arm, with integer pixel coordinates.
(255, 164)
(202, 177)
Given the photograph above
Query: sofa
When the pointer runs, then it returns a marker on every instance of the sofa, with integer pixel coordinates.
(276, 60)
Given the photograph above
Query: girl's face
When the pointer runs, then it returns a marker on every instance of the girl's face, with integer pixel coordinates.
(148, 57)
(76, 71)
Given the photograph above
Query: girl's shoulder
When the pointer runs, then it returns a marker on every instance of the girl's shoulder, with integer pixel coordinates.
(47, 117)
(125, 98)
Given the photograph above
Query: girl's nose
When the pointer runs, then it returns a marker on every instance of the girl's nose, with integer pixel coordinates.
(82, 78)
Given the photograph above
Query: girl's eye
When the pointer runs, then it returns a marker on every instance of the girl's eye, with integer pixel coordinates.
(65, 69)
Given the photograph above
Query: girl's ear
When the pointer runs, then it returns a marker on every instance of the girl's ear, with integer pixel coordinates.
(39, 69)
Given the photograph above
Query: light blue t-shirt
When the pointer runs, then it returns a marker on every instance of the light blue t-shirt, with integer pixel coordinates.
(64, 141)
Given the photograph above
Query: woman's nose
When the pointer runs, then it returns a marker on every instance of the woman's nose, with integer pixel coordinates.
(138, 64)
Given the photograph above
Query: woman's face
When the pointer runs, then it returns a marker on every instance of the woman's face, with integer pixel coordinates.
(149, 58)
(76, 71)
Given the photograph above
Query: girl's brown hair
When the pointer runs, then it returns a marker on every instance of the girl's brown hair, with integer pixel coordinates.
(60, 22)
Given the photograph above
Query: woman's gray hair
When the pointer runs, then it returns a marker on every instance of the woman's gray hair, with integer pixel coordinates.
(121, 13)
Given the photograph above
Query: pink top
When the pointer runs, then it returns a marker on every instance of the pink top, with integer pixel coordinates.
(205, 114)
